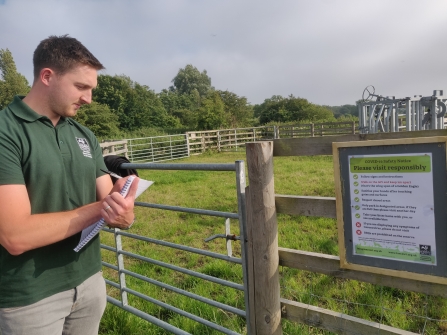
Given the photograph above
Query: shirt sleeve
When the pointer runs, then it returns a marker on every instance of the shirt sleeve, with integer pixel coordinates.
(10, 159)
(97, 152)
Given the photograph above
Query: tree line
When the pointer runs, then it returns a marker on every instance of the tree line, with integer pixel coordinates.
(121, 105)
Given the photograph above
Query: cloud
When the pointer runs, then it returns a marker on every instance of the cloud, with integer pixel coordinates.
(321, 50)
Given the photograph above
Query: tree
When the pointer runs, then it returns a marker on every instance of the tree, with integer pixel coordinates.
(291, 109)
(12, 83)
(136, 105)
(239, 113)
(181, 106)
(344, 110)
(211, 114)
(266, 105)
(189, 79)
(99, 119)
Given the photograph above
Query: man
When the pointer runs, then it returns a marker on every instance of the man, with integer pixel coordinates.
(51, 188)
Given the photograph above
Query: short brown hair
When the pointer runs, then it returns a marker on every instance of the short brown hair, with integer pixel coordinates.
(61, 54)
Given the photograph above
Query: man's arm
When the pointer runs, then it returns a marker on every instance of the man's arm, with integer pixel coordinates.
(20, 231)
(104, 186)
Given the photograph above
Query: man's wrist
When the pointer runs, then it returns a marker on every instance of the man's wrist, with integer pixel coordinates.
(129, 225)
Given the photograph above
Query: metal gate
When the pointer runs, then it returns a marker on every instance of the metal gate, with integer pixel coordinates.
(239, 169)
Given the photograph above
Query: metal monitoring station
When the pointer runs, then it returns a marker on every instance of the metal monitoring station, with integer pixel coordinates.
(388, 114)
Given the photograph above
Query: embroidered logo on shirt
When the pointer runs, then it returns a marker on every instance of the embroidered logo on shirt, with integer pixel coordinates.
(83, 144)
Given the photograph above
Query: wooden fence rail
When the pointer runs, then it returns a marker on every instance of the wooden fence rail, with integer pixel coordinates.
(334, 321)
(317, 129)
(114, 148)
(226, 139)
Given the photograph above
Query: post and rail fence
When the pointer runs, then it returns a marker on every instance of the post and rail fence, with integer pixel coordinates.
(170, 147)
(265, 257)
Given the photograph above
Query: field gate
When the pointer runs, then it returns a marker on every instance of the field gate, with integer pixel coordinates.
(239, 169)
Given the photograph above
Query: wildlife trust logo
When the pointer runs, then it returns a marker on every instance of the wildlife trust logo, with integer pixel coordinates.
(424, 249)
(83, 144)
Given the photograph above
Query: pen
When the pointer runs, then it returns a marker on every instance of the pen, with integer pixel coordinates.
(112, 174)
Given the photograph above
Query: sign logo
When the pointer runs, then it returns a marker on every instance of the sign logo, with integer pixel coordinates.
(424, 249)
(83, 144)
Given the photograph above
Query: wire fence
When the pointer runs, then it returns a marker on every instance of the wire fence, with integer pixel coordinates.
(332, 300)
(374, 303)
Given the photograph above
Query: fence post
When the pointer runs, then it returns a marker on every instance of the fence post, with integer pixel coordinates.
(312, 130)
(152, 150)
(187, 144)
(126, 154)
(262, 230)
(353, 127)
(203, 142)
(218, 141)
(129, 150)
(235, 139)
(120, 261)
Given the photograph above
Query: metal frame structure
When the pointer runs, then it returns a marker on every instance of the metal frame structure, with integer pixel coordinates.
(239, 168)
(158, 148)
(388, 114)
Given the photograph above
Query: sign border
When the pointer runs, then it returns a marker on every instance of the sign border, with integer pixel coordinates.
(344, 264)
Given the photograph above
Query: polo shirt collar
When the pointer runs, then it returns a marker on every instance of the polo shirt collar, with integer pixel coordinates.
(23, 111)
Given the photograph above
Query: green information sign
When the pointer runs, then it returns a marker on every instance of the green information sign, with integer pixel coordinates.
(392, 206)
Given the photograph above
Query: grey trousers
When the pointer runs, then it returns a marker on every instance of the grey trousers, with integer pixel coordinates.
(73, 312)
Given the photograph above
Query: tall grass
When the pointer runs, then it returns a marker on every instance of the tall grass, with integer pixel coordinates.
(311, 176)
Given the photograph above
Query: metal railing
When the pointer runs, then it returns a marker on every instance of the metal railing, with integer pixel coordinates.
(158, 148)
(239, 169)
(170, 147)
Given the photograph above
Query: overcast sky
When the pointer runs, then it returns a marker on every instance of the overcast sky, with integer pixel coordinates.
(326, 51)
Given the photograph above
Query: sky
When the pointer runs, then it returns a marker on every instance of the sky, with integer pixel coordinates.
(326, 51)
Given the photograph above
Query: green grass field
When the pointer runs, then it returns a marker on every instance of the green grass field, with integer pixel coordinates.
(311, 176)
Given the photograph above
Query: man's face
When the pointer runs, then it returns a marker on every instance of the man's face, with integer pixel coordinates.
(71, 90)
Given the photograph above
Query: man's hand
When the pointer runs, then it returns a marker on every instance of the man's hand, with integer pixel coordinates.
(116, 210)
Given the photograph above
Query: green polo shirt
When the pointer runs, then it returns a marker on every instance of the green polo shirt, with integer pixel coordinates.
(59, 166)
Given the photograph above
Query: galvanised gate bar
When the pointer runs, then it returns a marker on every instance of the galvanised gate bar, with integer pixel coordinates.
(239, 169)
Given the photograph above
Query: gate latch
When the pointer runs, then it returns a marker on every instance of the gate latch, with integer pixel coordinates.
(227, 237)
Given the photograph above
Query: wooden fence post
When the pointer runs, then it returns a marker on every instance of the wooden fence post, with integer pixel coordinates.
(353, 127)
(203, 142)
(312, 130)
(262, 230)
(126, 153)
(187, 144)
